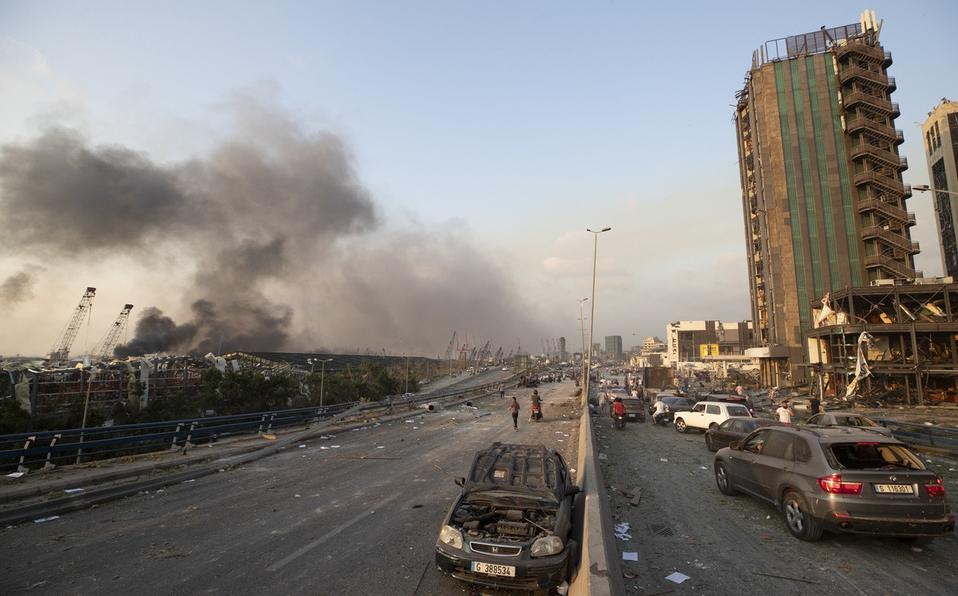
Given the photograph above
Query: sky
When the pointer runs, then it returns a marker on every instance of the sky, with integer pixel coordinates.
(367, 176)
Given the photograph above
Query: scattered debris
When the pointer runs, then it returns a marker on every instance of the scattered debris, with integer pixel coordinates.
(46, 519)
(626, 556)
(677, 577)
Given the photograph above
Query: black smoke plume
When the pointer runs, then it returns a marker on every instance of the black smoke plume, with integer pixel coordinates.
(288, 249)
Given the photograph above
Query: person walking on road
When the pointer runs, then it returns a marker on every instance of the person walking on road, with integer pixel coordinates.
(784, 414)
(502, 390)
(514, 410)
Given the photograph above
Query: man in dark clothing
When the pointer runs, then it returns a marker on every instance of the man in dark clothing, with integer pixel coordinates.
(814, 405)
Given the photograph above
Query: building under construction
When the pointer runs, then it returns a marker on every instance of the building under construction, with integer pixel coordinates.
(822, 194)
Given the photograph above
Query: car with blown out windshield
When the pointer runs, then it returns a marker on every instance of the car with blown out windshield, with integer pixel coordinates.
(510, 526)
(838, 479)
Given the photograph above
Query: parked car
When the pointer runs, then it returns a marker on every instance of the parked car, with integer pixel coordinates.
(510, 526)
(706, 414)
(734, 429)
(837, 479)
(675, 404)
(847, 419)
(634, 409)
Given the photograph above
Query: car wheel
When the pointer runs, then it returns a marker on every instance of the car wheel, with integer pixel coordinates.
(723, 480)
(708, 443)
(798, 518)
(680, 425)
(713, 425)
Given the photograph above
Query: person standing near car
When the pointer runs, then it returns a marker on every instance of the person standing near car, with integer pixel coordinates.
(514, 410)
(784, 414)
(814, 405)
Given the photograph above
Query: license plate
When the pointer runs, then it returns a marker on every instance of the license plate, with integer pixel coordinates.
(894, 488)
(493, 569)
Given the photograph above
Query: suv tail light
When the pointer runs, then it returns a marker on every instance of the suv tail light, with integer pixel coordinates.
(937, 489)
(835, 485)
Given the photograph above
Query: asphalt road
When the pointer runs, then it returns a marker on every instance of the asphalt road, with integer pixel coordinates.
(353, 513)
(731, 545)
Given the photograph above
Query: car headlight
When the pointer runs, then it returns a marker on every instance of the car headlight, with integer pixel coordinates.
(547, 546)
(451, 536)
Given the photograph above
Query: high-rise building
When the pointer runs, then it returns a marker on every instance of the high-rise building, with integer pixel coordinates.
(613, 346)
(561, 349)
(941, 151)
(822, 194)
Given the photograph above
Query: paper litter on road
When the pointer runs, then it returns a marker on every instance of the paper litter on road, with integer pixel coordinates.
(46, 519)
(622, 531)
(190, 480)
(602, 456)
(381, 447)
(663, 459)
(15, 474)
(677, 577)
(630, 556)
(703, 468)
(72, 490)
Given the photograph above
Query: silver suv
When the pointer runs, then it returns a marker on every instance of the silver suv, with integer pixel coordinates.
(837, 479)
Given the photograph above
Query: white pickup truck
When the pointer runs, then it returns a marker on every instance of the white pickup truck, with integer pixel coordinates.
(708, 414)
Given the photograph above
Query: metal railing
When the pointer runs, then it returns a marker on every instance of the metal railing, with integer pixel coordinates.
(47, 449)
(940, 438)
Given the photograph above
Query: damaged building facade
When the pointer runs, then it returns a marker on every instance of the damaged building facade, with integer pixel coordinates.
(822, 194)
(887, 343)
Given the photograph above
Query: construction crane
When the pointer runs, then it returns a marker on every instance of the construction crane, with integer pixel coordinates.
(61, 349)
(105, 350)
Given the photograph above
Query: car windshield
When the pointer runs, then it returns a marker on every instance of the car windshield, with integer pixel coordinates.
(875, 456)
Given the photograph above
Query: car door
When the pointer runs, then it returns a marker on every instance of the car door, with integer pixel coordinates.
(742, 462)
(774, 465)
(693, 417)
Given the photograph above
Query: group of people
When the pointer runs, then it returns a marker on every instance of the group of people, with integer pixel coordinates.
(784, 413)
(535, 409)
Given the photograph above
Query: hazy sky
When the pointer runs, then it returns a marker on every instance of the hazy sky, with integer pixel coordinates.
(376, 175)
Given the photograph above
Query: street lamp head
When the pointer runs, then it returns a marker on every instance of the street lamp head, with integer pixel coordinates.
(599, 232)
(920, 187)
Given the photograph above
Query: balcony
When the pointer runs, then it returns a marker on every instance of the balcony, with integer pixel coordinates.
(873, 77)
(891, 238)
(873, 54)
(892, 212)
(890, 185)
(875, 102)
(900, 270)
(880, 156)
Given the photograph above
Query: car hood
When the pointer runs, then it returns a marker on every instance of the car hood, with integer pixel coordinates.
(521, 470)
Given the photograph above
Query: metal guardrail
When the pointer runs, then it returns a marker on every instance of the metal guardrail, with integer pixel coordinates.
(47, 449)
(941, 438)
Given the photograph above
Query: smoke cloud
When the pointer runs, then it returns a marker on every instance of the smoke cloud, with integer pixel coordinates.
(289, 250)
(17, 288)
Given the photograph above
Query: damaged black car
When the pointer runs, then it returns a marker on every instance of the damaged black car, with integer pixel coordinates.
(510, 526)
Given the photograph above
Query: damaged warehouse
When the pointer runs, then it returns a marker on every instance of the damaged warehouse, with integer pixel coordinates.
(887, 343)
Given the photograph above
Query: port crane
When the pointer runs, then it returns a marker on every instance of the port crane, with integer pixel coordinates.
(61, 349)
(105, 350)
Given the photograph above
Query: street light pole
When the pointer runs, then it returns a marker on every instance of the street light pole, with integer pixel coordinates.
(322, 376)
(582, 329)
(595, 250)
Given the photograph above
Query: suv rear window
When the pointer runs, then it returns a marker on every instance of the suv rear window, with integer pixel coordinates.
(870, 456)
(738, 411)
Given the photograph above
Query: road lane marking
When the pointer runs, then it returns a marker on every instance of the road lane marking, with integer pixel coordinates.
(331, 534)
